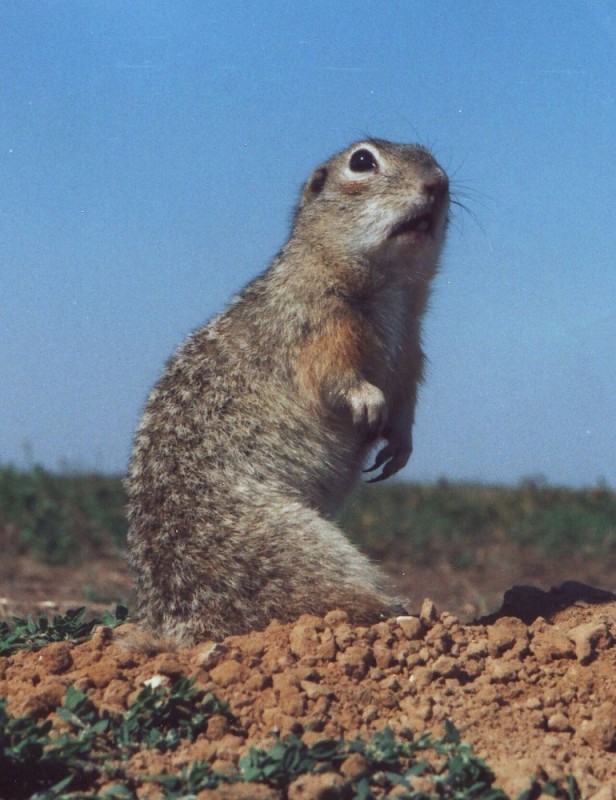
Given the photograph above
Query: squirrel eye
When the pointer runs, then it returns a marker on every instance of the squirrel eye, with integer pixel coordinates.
(362, 161)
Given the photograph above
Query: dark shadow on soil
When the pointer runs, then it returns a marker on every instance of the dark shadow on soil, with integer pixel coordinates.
(528, 602)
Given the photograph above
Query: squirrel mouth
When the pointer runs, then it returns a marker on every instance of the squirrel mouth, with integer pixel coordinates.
(422, 224)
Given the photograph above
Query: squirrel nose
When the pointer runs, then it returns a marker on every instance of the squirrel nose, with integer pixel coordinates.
(436, 186)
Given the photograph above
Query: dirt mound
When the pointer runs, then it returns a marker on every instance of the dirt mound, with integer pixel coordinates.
(531, 687)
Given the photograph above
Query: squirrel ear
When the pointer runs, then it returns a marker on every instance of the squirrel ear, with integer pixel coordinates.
(316, 182)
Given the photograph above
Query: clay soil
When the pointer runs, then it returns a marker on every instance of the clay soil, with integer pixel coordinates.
(530, 685)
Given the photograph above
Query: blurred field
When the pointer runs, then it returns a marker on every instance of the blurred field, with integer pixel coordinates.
(63, 539)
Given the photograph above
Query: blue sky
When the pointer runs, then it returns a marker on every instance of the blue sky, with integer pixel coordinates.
(151, 154)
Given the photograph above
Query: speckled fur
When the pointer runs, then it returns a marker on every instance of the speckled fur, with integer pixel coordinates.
(263, 419)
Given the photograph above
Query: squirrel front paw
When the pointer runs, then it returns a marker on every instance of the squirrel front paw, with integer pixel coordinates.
(368, 408)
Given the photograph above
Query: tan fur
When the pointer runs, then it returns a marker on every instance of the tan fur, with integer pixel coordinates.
(263, 419)
(329, 363)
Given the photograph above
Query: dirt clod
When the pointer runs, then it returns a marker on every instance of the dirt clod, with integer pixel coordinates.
(327, 786)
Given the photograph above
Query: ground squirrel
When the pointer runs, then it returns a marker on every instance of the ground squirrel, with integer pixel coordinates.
(263, 419)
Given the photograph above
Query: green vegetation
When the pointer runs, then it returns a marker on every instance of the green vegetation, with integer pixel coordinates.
(443, 521)
(389, 762)
(93, 749)
(60, 518)
(30, 634)
(159, 718)
(33, 759)
(28, 759)
(64, 518)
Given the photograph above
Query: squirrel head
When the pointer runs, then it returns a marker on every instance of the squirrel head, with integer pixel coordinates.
(379, 201)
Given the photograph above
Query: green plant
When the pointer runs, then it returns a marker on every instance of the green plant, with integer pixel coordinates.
(159, 718)
(33, 758)
(31, 634)
(450, 765)
(40, 764)
(61, 518)
(189, 781)
(30, 761)
(464, 775)
(390, 761)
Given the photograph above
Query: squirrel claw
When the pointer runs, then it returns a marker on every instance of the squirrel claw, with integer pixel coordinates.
(388, 471)
(381, 457)
(391, 459)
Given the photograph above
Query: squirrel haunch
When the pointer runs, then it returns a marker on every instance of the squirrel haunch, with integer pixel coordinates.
(261, 423)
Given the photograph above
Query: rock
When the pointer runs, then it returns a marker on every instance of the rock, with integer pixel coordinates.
(549, 643)
(292, 702)
(336, 617)
(304, 639)
(104, 672)
(587, 638)
(383, 655)
(411, 627)
(217, 727)
(506, 633)
(41, 701)
(600, 731)
(356, 660)
(477, 649)
(207, 654)
(344, 636)
(56, 658)
(354, 766)
(607, 792)
(428, 614)
(229, 673)
(558, 722)
(240, 791)
(325, 786)
(326, 650)
(501, 671)
(446, 667)
(116, 694)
